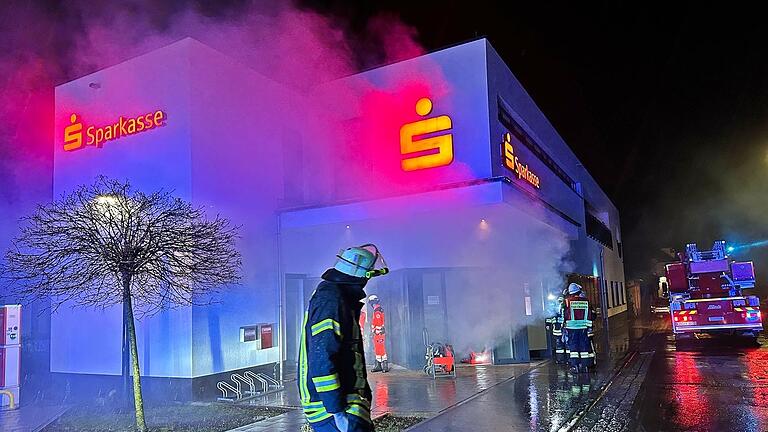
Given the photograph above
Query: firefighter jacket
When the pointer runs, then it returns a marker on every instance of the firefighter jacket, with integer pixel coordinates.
(556, 324)
(576, 313)
(332, 376)
(377, 322)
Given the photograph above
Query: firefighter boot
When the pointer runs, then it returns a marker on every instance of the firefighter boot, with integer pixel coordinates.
(385, 366)
(377, 367)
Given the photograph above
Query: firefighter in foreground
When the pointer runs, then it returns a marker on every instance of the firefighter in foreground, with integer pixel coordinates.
(332, 378)
(379, 338)
(577, 325)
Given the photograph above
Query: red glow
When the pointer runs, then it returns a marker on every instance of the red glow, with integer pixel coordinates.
(381, 396)
(384, 111)
(480, 358)
(756, 365)
(693, 405)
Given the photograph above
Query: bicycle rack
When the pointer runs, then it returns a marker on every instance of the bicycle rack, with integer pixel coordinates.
(225, 388)
(237, 379)
(267, 383)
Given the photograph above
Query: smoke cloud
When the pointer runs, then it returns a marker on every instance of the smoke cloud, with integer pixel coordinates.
(302, 50)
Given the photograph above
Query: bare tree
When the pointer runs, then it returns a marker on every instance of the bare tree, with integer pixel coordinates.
(106, 244)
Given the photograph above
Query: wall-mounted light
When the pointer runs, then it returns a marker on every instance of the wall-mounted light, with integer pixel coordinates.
(348, 227)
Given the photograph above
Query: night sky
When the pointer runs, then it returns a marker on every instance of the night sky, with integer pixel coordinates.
(666, 106)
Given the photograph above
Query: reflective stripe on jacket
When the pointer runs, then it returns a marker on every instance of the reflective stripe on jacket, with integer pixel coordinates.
(577, 313)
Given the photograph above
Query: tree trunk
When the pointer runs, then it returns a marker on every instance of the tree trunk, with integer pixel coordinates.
(138, 400)
(125, 361)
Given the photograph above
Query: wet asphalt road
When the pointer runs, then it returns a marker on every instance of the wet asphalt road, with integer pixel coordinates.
(705, 385)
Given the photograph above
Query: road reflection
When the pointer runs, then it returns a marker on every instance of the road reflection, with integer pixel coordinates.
(708, 384)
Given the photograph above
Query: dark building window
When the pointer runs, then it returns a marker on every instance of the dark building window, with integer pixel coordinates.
(514, 128)
(621, 292)
(596, 229)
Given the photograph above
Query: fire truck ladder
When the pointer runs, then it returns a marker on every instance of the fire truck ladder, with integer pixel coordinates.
(717, 252)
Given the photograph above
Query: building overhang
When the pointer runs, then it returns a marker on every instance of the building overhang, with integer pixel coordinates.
(496, 191)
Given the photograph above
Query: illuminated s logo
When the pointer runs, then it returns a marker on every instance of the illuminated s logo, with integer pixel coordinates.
(73, 134)
(98, 135)
(426, 152)
(513, 163)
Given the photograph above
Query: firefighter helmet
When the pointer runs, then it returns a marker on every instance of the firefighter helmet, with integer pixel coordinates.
(374, 299)
(574, 288)
(360, 261)
(355, 261)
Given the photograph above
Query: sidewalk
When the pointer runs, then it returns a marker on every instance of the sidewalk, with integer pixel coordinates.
(29, 418)
(538, 396)
(613, 411)
(549, 398)
(400, 392)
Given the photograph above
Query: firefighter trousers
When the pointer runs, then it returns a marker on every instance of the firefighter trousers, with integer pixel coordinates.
(356, 424)
(559, 349)
(579, 348)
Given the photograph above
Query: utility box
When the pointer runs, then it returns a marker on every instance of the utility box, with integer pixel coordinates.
(10, 320)
(261, 335)
(266, 335)
(10, 369)
(10, 353)
(251, 335)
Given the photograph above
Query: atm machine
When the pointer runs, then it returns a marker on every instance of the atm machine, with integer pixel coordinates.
(10, 354)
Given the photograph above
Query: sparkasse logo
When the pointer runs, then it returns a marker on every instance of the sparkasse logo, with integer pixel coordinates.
(420, 142)
(98, 135)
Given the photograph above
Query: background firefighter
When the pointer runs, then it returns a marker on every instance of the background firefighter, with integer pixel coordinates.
(591, 329)
(379, 338)
(555, 330)
(577, 325)
(332, 380)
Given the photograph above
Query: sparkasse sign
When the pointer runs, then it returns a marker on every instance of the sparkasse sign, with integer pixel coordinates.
(514, 164)
(98, 135)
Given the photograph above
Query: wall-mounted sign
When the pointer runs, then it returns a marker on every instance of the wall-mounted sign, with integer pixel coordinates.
(514, 164)
(98, 135)
(423, 142)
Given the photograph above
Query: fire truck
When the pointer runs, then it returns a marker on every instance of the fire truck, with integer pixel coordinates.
(707, 294)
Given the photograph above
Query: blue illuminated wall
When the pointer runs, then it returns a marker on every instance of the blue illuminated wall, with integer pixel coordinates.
(213, 139)
(88, 340)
